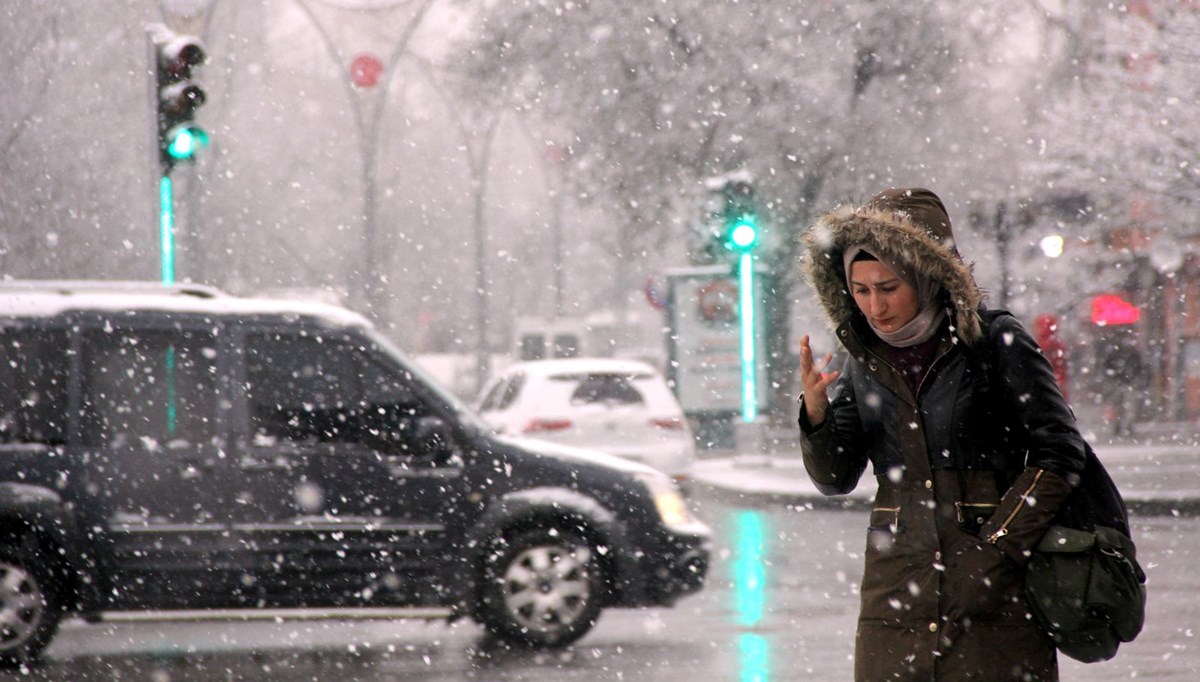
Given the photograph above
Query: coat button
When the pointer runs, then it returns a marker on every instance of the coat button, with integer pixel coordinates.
(929, 485)
(937, 556)
(933, 627)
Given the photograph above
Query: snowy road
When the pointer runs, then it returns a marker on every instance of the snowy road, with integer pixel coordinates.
(780, 605)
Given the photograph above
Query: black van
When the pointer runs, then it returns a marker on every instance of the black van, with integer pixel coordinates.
(176, 448)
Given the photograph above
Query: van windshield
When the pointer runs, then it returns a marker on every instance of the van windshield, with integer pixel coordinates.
(464, 411)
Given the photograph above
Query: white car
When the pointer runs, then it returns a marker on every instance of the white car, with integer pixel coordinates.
(621, 407)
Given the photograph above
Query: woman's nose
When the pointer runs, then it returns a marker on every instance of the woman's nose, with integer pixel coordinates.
(877, 305)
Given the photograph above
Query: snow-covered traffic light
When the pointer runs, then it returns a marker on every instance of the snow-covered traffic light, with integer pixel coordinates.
(742, 233)
(177, 95)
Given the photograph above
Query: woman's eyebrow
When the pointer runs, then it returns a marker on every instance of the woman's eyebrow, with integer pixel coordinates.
(878, 284)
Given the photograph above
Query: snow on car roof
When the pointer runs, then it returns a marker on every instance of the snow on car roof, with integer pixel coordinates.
(34, 298)
(580, 366)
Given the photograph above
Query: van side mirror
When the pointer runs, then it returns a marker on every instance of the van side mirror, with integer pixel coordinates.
(431, 437)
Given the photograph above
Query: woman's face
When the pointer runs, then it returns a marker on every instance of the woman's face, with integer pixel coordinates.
(888, 301)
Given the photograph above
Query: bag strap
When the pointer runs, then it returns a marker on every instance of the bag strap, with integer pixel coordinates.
(985, 359)
(1095, 500)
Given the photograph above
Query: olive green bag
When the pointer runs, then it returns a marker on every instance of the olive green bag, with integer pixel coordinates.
(1083, 583)
(1085, 587)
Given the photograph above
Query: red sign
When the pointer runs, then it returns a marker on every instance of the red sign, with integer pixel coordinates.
(1110, 309)
(365, 70)
(717, 301)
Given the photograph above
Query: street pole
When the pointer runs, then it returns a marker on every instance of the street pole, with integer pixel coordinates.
(477, 135)
(166, 228)
(368, 106)
(479, 166)
(1001, 228)
(482, 364)
(556, 216)
(747, 336)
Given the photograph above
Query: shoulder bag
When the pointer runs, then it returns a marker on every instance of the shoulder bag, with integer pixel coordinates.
(1083, 583)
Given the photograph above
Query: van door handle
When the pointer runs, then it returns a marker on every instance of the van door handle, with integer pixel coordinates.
(265, 464)
(191, 469)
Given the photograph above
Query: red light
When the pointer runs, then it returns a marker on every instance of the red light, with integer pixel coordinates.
(536, 425)
(1110, 309)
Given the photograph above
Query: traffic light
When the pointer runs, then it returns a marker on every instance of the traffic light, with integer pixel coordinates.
(177, 95)
(740, 218)
(742, 233)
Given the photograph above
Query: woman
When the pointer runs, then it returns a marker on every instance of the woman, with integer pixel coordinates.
(965, 429)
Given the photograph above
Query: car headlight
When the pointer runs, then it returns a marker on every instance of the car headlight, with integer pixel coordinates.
(672, 509)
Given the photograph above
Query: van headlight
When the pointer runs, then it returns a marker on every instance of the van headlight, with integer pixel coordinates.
(672, 509)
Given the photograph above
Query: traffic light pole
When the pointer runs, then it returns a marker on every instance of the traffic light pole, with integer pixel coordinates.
(166, 228)
(742, 237)
(746, 336)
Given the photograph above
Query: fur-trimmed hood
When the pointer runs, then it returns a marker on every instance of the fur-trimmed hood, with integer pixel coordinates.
(908, 225)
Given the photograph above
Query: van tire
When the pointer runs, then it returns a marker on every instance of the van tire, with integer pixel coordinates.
(30, 602)
(541, 588)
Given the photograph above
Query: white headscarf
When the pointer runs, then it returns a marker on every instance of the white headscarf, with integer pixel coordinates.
(929, 315)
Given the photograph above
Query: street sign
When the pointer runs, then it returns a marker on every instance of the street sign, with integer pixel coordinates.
(365, 70)
(655, 294)
(704, 344)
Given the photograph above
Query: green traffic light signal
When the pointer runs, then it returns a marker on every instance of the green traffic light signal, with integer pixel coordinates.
(177, 94)
(183, 141)
(743, 234)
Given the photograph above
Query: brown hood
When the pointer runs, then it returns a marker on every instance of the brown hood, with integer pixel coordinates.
(910, 225)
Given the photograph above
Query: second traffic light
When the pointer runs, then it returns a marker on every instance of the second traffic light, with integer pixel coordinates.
(741, 229)
(177, 95)
(742, 233)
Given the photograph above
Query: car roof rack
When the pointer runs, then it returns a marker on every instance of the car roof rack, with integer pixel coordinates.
(68, 287)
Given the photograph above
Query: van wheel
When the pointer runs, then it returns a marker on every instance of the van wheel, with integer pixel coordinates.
(29, 606)
(541, 588)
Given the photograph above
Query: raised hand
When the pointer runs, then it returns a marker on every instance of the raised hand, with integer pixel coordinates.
(815, 380)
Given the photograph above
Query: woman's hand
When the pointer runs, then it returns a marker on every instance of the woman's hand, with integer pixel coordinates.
(815, 381)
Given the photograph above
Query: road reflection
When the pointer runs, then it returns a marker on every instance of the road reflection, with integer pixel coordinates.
(778, 606)
(749, 590)
(754, 657)
(781, 604)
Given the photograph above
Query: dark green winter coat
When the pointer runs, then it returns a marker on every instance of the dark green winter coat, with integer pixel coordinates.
(970, 470)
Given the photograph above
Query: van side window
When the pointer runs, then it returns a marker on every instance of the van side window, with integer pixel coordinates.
(492, 399)
(33, 372)
(384, 386)
(511, 391)
(301, 388)
(148, 388)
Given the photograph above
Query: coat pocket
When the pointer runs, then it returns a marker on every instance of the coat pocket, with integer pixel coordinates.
(972, 515)
(881, 532)
(885, 518)
(980, 580)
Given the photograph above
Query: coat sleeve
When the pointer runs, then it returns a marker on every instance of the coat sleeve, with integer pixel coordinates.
(1055, 452)
(833, 452)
